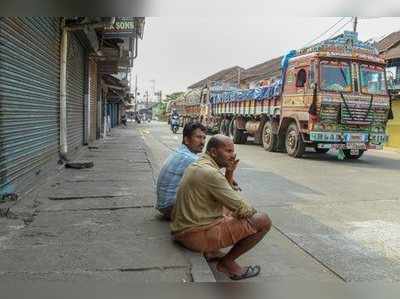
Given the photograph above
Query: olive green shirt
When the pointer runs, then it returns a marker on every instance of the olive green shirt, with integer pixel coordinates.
(202, 194)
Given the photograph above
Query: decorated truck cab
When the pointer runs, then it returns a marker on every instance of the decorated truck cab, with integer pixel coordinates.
(332, 95)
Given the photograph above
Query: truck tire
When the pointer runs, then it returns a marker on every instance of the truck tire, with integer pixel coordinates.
(280, 143)
(294, 142)
(226, 127)
(231, 127)
(222, 128)
(244, 137)
(269, 140)
(352, 157)
(239, 137)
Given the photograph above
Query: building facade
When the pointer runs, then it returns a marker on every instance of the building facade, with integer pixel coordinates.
(54, 97)
(389, 48)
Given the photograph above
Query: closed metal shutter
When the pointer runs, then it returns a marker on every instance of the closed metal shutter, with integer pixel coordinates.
(93, 99)
(29, 98)
(75, 93)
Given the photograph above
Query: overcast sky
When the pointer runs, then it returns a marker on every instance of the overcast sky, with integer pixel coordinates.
(178, 51)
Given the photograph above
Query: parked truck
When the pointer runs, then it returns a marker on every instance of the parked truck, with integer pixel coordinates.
(331, 95)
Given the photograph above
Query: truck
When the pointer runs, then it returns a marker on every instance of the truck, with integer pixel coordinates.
(331, 95)
(197, 108)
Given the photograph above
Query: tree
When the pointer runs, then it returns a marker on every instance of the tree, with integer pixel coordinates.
(173, 96)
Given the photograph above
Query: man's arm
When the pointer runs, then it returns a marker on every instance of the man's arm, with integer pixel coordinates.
(221, 190)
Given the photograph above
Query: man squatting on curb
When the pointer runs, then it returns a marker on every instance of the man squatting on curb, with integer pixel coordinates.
(194, 137)
(199, 220)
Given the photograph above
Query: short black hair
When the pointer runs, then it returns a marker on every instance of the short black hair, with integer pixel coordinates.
(214, 142)
(190, 127)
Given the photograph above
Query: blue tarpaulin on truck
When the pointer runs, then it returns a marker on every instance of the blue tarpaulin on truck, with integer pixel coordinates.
(258, 94)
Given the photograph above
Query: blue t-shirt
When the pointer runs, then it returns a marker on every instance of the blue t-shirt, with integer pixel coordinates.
(171, 174)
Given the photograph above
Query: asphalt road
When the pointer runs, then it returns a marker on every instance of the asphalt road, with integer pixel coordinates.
(332, 220)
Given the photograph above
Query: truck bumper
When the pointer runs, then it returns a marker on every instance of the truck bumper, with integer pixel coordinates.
(348, 140)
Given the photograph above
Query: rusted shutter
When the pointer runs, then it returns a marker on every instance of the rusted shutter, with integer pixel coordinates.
(75, 93)
(29, 99)
(93, 100)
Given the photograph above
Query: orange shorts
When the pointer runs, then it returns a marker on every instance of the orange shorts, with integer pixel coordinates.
(221, 234)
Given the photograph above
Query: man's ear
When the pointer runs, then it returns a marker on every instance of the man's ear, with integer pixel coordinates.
(213, 152)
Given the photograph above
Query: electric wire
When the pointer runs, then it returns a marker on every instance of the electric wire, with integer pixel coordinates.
(323, 33)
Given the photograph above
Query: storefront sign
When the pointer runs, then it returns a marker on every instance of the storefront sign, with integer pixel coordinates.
(123, 26)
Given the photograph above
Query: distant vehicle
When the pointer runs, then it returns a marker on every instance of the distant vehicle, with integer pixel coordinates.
(124, 120)
(174, 123)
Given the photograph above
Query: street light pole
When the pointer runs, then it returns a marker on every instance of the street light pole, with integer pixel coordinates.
(135, 93)
(355, 24)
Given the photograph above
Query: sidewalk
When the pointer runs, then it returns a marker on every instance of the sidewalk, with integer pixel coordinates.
(96, 224)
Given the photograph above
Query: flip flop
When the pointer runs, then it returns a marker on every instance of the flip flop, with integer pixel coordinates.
(251, 271)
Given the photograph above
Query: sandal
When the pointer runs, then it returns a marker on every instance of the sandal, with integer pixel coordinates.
(251, 271)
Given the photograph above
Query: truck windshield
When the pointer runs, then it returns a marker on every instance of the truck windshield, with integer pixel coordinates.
(335, 76)
(372, 79)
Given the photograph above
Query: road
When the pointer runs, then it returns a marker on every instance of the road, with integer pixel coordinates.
(332, 220)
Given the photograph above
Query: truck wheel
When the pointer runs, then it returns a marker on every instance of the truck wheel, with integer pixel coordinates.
(222, 127)
(269, 140)
(231, 128)
(294, 142)
(238, 135)
(244, 138)
(349, 156)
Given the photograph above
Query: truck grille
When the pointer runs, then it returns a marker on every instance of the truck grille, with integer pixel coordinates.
(355, 112)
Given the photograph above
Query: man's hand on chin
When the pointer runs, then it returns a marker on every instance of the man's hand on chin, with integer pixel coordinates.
(230, 170)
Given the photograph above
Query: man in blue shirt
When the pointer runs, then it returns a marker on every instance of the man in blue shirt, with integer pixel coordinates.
(194, 136)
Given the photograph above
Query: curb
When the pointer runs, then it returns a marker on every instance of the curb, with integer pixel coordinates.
(391, 149)
(200, 269)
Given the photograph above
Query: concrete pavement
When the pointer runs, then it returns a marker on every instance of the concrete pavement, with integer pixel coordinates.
(96, 224)
(333, 220)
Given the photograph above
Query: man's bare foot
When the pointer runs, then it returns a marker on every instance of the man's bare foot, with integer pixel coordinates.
(213, 256)
(229, 267)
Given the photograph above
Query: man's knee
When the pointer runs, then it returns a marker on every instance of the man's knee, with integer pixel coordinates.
(262, 222)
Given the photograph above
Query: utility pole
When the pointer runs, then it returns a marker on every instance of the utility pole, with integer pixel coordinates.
(153, 89)
(238, 78)
(135, 93)
(355, 24)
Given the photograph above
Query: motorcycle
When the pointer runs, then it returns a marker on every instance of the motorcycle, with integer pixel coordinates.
(175, 124)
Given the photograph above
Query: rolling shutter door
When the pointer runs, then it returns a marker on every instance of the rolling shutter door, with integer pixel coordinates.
(29, 98)
(93, 100)
(75, 94)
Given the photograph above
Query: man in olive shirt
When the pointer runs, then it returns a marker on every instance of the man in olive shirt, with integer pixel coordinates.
(198, 219)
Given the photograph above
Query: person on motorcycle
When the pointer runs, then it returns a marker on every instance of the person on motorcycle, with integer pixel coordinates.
(174, 121)
(124, 120)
